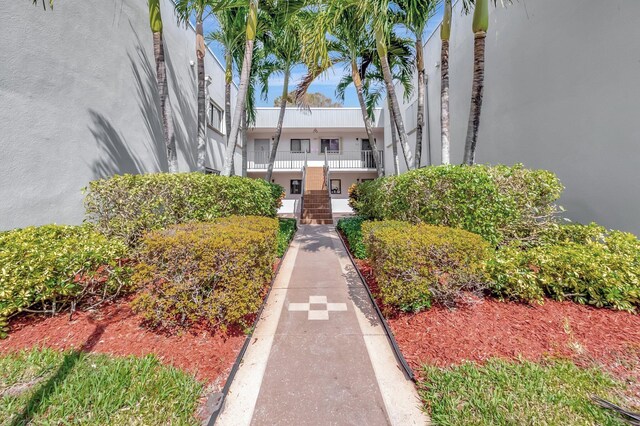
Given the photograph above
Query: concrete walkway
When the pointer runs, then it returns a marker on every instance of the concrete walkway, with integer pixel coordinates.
(319, 355)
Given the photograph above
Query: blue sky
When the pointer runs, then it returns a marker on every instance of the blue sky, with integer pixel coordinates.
(326, 83)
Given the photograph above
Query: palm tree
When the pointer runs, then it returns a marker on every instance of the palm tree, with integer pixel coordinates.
(155, 20)
(347, 44)
(250, 38)
(282, 46)
(230, 34)
(480, 27)
(445, 34)
(400, 58)
(416, 15)
(383, 20)
(185, 9)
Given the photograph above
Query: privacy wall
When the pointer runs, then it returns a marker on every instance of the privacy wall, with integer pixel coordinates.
(561, 93)
(78, 101)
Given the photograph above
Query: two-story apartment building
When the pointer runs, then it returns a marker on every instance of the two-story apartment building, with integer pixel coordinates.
(331, 140)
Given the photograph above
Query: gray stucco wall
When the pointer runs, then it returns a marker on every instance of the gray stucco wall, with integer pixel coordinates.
(78, 101)
(561, 93)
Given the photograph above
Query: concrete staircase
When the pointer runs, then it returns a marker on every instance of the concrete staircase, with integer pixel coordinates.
(316, 206)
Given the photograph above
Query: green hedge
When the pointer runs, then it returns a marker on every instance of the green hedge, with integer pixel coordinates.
(48, 267)
(285, 234)
(500, 203)
(351, 227)
(127, 206)
(586, 264)
(415, 265)
(214, 272)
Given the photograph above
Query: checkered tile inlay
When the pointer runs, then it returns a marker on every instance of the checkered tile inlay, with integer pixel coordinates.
(313, 313)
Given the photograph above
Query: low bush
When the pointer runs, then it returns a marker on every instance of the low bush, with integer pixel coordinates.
(129, 205)
(214, 272)
(351, 227)
(415, 265)
(285, 234)
(500, 203)
(586, 264)
(50, 267)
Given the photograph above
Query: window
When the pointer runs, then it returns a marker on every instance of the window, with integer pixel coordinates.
(330, 145)
(300, 145)
(296, 186)
(336, 186)
(215, 116)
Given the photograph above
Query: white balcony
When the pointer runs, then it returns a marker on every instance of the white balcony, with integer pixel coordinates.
(293, 161)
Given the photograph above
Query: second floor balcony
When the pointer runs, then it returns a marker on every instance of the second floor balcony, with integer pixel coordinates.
(294, 161)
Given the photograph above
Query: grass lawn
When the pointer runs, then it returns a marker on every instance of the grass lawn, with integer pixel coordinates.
(517, 393)
(43, 386)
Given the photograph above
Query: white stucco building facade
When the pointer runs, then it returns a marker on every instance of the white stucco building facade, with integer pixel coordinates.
(305, 138)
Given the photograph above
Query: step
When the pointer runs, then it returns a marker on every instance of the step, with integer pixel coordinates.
(316, 221)
(316, 211)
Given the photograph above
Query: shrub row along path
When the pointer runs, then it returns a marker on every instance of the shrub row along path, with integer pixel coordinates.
(319, 354)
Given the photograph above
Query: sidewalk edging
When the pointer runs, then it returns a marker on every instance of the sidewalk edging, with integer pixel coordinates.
(394, 344)
(247, 340)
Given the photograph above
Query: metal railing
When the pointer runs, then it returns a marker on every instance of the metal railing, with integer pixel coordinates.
(363, 159)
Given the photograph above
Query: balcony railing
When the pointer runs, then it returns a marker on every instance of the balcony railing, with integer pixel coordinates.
(296, 160)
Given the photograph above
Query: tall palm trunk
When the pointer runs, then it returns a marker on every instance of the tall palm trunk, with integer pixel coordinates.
(228, 78)
(391, 94)
(394, 143)
(480, 27)
(283, 109)
(244, 145)
(202, 109)
(252, 22)
(357, 82)
(445, 33)
(421, 90)
(155, 20)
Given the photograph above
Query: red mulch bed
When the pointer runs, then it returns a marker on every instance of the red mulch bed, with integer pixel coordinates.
(487, 328)
(114, 329)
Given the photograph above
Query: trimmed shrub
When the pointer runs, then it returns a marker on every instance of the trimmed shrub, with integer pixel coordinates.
(416, 265)
(585, 264)
(49, 267)
(214, 272)
(287, 229)
(351, 227)
(500, 203)
(127, 206)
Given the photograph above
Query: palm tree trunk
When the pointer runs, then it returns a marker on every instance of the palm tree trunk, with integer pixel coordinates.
(476, 99)
(394, 144)
(444, 103)
(202, 110)
(445, 34)
(391, 94)
(357, 82)
(244, 145)
(252, 21)
(283, 109)
(228, 78)
(421, 89)
(165, 107)
(155, 21)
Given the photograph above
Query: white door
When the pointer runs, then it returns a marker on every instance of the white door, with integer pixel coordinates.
(261, 153)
